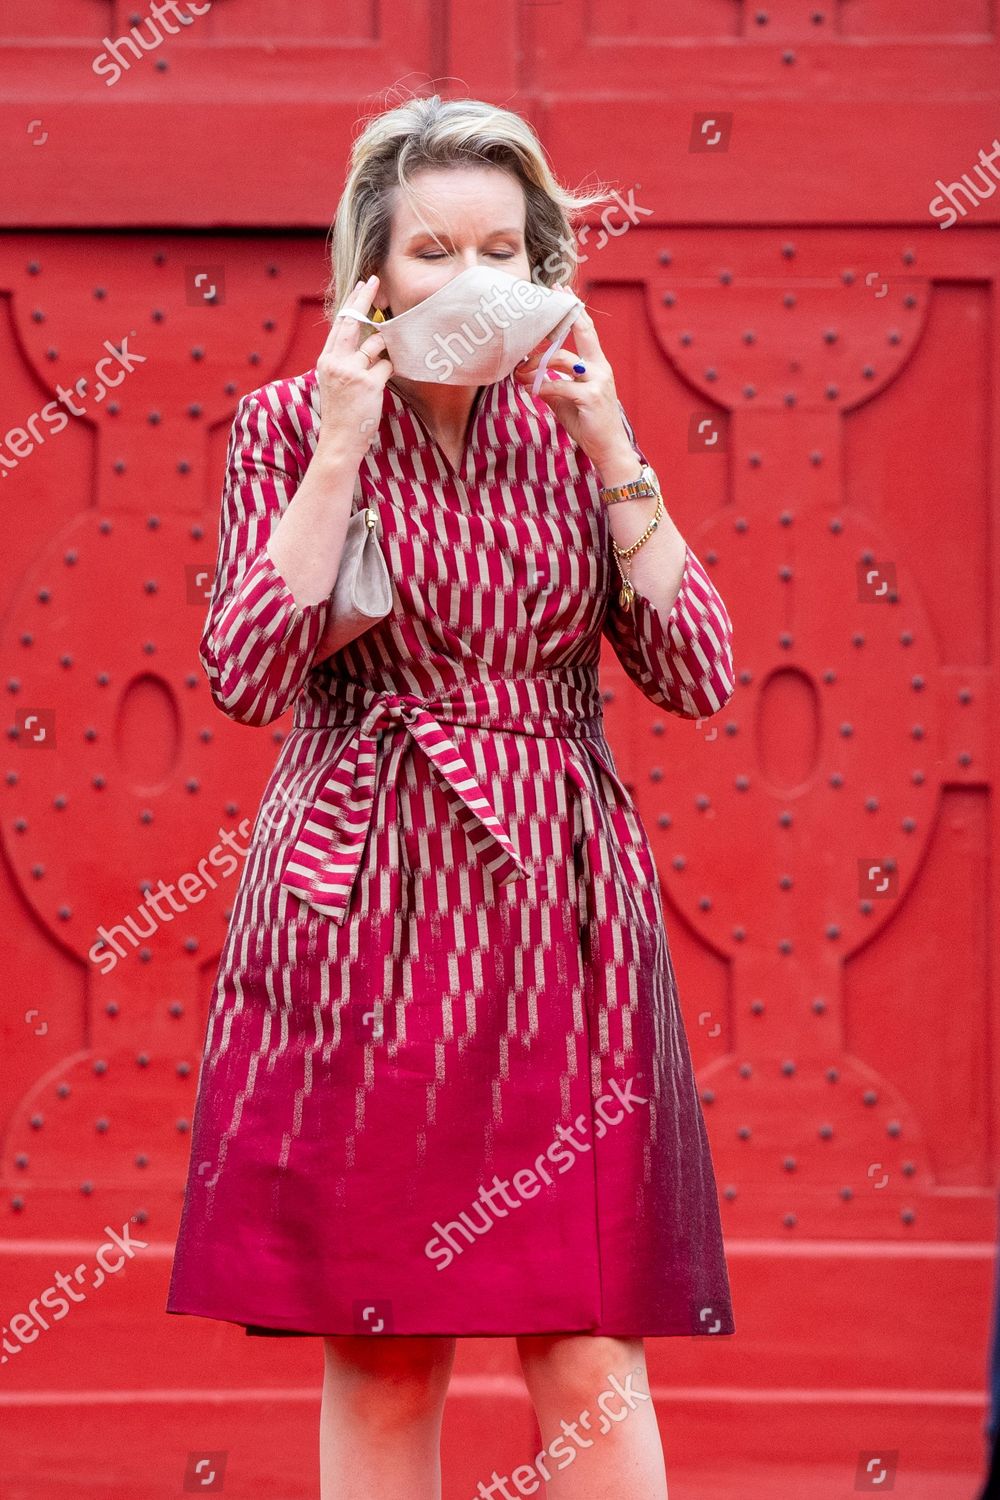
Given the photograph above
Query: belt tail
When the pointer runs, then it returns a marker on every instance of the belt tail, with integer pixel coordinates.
(323, 862)
(477, 816)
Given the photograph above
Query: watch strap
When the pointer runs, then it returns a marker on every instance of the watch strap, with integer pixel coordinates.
(635, 489)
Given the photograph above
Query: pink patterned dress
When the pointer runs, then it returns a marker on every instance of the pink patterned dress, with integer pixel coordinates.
(446, 1087)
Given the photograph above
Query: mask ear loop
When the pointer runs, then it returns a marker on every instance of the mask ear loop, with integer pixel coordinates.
(352, 312)
(560, 336)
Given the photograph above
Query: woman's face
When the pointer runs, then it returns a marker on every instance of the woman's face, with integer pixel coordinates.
(469, 216)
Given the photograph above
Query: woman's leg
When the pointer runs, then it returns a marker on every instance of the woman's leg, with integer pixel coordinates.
(591, 1396)
(380, 1417)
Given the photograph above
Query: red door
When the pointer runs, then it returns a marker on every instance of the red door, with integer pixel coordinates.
(797, 294)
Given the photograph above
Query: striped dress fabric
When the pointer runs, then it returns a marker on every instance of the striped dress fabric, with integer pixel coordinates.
(445, 1085)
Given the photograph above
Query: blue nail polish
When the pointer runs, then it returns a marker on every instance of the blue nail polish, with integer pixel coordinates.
(580, 369)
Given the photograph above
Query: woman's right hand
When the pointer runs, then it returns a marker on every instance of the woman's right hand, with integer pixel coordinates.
(352, 385)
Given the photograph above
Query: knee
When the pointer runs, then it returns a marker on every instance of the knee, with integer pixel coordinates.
(573, 1370)
(389, 1382)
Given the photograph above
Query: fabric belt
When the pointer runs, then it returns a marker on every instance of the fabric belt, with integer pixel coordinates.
(325, 856)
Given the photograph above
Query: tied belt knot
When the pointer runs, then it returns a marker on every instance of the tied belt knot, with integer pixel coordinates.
(325, 856)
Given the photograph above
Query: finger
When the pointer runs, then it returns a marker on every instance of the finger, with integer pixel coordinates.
(347, 333)
(561, 385)
(562, 359)
(565, 368)
(384, 367)
(585, 337)
(556, 381)
(374, 345)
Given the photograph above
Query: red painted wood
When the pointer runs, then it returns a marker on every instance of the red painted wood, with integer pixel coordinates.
(811, 364)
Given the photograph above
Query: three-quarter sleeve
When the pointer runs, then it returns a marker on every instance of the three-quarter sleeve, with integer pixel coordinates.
(258, 643)
(682, 662)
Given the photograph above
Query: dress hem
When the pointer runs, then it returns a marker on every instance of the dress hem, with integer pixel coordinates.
(260, 1330)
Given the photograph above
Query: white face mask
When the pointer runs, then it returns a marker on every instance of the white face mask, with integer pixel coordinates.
(476, 328)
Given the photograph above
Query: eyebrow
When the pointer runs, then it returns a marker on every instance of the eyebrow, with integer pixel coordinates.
(422, 234)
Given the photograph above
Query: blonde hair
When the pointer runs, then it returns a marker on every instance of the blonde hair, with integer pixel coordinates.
(433, 132)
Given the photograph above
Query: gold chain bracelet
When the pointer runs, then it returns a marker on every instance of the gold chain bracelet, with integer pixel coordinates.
(627, 592)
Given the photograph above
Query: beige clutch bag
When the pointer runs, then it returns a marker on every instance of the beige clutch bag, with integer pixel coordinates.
(362, 593)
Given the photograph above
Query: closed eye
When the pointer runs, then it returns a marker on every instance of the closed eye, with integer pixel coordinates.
(497, 255)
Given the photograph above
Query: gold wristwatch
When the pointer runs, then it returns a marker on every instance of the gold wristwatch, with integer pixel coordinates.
(646, 484)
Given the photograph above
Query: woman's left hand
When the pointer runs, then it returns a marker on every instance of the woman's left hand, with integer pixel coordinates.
(585, 404)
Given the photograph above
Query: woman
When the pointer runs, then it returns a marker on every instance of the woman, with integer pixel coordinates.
(446, 1088)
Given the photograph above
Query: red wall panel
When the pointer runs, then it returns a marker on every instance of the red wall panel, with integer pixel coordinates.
(810, 361)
